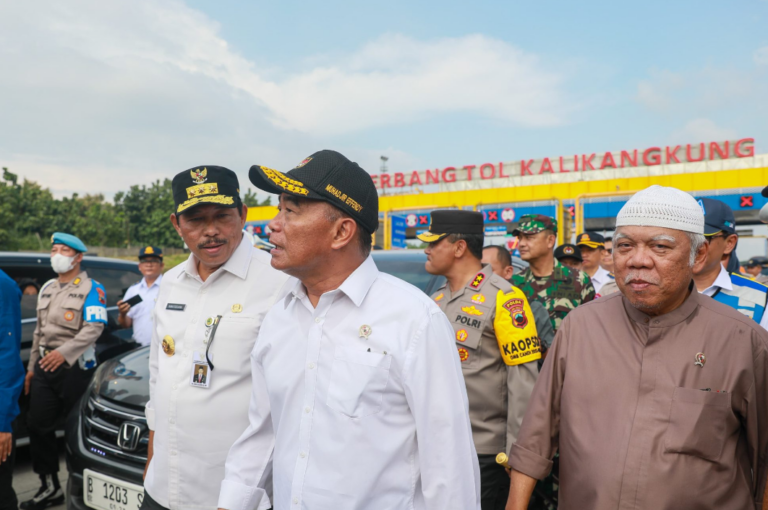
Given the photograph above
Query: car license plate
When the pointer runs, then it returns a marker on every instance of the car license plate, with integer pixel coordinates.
(107, 493)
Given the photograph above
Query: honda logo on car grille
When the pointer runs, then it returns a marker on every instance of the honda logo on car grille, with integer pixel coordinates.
(128, 437)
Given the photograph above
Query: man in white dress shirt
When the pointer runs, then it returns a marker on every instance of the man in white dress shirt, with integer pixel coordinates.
(208, 312)
(592, 246)
(139, 316)
(358, 402)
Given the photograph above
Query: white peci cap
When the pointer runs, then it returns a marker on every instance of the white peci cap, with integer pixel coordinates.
(659, 206)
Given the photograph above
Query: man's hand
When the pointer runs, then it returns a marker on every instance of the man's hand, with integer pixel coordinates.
(123, 307)
(27, 381)
(6, 444)
(52, 361)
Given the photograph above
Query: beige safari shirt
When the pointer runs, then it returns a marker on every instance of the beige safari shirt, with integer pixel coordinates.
(498, 392)
(64, 322)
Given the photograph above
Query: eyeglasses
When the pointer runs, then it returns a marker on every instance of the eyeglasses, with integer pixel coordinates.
(153, 261)
(715, 236)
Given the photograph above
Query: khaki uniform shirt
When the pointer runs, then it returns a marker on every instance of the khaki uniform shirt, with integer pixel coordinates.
(652, 413)
(498, 390)
(65, 321)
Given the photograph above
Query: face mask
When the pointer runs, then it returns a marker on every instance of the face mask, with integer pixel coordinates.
(62, 264)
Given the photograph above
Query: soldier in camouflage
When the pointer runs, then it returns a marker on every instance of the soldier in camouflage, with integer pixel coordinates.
(559, 288)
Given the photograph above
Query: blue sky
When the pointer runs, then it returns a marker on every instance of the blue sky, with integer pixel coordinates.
(101, 95)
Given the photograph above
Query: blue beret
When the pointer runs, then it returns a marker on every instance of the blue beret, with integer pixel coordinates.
(68, 240)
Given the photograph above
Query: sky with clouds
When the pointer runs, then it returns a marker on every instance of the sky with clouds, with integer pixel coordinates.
(96, 96)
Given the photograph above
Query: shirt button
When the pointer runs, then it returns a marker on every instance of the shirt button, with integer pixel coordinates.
(205, 341)
(310, 365)
(173, 453)
(170, 420)
(318, 319)
(175, 386)
(307, 409)
(295, 501)
(302, 455)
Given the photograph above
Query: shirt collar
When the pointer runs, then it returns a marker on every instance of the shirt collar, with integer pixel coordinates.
(237, 264)
(723, 280)
(356, 286)
(672, 318)
(143, 282)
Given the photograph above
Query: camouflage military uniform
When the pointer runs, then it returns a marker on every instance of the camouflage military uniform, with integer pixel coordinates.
(560, 292)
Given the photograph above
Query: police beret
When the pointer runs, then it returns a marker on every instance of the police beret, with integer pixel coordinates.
(68, 240)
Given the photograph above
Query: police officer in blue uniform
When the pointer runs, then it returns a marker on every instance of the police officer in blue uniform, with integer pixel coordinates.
(71, 314)
(737, 291)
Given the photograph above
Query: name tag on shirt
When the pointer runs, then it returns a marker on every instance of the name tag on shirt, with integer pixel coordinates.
(201, 373)
(178, 307)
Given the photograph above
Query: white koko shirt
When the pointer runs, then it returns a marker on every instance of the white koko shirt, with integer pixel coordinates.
(195, 426)
(141, 314)
(363, 422)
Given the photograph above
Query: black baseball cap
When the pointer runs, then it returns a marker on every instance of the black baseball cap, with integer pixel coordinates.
(568, 251)
(756, 261)
(150, 251)
(205, 184)
(591, 240)
(329, 176)
(718, 217)
(452, 221)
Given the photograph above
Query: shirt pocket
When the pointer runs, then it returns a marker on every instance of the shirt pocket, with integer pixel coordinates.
(70, 316)
(358, 381)
(698, 423)
(232, 344)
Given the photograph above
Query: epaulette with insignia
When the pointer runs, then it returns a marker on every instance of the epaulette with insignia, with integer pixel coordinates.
(479, 277)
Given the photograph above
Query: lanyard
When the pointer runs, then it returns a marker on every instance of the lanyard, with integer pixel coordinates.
(211, 336)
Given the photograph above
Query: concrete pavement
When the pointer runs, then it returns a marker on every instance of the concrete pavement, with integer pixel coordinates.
(26, 482)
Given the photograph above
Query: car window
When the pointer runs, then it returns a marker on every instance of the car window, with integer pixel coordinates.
(412, 271)
(115, 281)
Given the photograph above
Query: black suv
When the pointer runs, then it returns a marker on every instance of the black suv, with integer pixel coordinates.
(115, 275)
(107, 436)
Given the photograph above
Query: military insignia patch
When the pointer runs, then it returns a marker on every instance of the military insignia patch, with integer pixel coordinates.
(69, 316)
(478, 298)
(568, 250)
(477, 281)
(516, 308)
(149, 251)
(439, 296)
(102, 295)
(461, 335)
(471, 310)
(463, 354)
(306, 160)
(584, 238)
(212, 188)
(199, 176)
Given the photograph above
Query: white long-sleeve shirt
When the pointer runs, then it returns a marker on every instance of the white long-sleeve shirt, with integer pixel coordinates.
(341, 419)
(141, 314)
(195, 426)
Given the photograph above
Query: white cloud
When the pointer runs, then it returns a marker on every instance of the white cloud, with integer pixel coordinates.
(761, 56)
(702, 130)
(98, 95)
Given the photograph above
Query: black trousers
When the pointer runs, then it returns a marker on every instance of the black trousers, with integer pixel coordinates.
(51, 395)
(494, 483)
(7, 495)
(147, 503)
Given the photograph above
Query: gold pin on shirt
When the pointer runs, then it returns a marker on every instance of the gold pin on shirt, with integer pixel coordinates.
(237, 308)
(169, 346)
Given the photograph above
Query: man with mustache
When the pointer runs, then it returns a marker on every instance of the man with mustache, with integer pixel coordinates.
(358, 398)
(208, 311)
(656, 398)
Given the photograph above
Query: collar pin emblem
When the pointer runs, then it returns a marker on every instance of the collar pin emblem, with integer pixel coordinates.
(700, 359)
(365, 331)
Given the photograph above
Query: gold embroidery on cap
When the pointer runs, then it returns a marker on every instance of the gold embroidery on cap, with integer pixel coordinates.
(217, 199)
(343, 197)
(211, 188)
(285, 182)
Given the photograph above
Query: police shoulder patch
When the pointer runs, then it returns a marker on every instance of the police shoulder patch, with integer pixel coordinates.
(94, 308)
